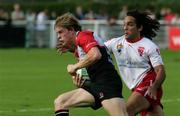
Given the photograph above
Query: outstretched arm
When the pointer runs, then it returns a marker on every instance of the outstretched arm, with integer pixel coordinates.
(160, 77)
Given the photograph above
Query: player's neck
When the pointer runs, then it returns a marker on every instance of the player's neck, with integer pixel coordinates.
(134, 39)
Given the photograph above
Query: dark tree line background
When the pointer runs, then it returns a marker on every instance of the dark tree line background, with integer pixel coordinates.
(109, 6)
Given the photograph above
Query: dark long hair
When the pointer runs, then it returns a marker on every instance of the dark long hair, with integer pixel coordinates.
(150, 26)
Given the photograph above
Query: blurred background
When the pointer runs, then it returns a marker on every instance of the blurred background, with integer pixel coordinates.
(32, 74)
(30, 23)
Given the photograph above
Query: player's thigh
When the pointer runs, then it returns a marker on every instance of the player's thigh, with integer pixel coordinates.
(114, 105)
(75, 98)
(136, 103)
(156, 111)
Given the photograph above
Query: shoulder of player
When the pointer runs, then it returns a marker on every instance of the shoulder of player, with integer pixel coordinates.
(117, 39)
(82, 35)
(149, 45)
(148, 42)
(85, 33)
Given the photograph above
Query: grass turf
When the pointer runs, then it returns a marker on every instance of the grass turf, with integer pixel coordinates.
(31, 79)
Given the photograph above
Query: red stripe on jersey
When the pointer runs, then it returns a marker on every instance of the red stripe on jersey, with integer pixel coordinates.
(90, 45)
(86, 40)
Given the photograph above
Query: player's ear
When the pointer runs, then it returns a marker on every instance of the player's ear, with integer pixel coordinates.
(71, 29)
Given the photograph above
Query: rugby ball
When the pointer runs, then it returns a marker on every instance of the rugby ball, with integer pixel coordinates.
(82, 73)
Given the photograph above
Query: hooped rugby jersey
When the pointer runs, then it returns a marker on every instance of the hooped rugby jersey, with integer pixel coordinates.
(134, 60)
(86, 40)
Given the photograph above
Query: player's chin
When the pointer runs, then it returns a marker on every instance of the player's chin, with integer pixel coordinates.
(63, 50)
(126, 36)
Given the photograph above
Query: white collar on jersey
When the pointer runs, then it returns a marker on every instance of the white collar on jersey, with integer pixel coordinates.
(77, 33)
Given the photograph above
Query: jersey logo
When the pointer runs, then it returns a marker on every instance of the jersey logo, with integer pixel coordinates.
(119, 47)
(101, 95)
(141, 51)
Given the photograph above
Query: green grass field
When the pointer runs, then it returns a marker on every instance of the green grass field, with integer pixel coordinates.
(30, 80)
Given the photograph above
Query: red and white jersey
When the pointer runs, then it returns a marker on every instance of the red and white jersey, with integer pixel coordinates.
(134, 60)
(86, 40)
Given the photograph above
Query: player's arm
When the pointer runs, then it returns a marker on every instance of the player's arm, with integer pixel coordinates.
(159, 69)
(160, 76)
(92, 56)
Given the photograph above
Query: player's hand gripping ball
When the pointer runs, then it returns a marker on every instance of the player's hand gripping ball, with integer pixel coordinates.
(82, 73)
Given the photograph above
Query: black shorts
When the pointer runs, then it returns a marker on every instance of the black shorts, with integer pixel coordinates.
(106, 87)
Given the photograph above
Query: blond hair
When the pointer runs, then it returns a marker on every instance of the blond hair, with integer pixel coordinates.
(68, 21)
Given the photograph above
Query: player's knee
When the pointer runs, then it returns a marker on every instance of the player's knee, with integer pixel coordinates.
(60, 103)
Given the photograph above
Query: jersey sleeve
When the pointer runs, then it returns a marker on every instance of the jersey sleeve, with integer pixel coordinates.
(154, 56)
(86, 41)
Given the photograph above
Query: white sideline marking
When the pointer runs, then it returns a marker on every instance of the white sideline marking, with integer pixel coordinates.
(27, 110)
(49, 109)
(171, 100)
